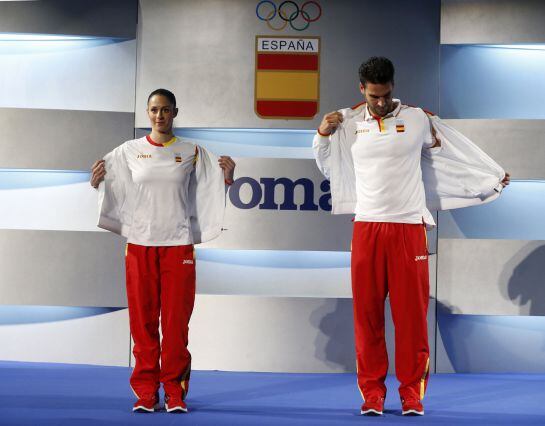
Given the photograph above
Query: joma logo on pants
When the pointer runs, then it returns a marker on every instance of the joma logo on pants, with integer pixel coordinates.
(417, 258)
(187, 262)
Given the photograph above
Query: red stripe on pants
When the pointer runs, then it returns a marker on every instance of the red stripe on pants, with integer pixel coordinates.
(390, 258)
(160, 281)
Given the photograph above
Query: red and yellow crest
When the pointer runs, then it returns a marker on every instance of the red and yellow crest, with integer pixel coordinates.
(287, 77)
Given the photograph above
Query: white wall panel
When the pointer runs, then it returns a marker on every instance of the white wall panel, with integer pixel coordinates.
(71, 207)
(281, 216)
(241, 333)
(517, 145)
(491, 277)
(99, 340)
(489, 344)
(256, 143)
(255, 278)
(275, 280)
(96, 75)
(83, 17)
(62, 268)
(208, 58)
(492, 21)
(60, 139)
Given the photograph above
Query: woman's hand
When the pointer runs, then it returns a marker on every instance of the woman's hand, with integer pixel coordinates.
(506, 180)
(228, 166)
(98, 170)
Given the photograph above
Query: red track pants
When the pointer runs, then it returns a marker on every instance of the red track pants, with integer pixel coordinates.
(391, 258)
(160, 282)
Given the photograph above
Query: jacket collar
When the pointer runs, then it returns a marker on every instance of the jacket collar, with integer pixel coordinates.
(367, 116)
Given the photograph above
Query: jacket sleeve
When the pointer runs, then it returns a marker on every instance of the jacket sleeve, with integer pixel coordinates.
(458, 173)
(321, 147)
(115, 194)
(333, 156)
(206, 197)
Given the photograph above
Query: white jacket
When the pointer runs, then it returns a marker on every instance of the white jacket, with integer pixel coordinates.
(206, 196)
(456, 174)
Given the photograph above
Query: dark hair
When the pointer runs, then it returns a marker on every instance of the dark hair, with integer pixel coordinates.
(166, 93)
(377, 70)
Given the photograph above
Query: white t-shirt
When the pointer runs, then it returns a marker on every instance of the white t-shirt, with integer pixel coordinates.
(386, 154)
(160, 174)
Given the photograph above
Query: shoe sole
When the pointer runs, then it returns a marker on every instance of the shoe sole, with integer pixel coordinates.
(412, 413)
(371, 412)
(142, 409)
(176, 409)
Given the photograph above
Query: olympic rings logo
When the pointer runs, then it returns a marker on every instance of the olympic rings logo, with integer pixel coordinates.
(289, 12)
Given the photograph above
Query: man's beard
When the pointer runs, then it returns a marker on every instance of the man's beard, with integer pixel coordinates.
(381, 112)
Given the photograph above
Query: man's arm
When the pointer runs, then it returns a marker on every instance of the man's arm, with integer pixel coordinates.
(321, 142)
(437, 141)
(432, 141)
(329, 123)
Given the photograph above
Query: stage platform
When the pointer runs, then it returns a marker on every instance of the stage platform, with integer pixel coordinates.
(72, 395)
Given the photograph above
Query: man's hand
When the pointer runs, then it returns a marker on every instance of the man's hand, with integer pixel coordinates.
(330, 122)
(228, 166)
(98, 170)
(436, 140)
(506, 180)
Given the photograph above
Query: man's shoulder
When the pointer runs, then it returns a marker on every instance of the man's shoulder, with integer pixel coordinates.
(415, 115)
(412, 109)
(353, 111)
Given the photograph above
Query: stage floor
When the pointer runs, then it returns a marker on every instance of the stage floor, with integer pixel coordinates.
(61, 394)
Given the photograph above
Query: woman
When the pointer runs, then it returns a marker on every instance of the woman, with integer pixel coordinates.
(164, 194)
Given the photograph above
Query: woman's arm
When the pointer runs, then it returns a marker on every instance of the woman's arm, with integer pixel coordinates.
(98, 171)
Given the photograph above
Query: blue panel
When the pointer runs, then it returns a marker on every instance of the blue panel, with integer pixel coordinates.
(517, 215)
(22, 44)
(481, 343)
(277, 259)
(492, 82)
(23, 178)
(51, 37)
(261, 143)
(260, 137)
(10, 315)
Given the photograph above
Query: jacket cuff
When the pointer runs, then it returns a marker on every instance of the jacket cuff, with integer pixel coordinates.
(321, 140)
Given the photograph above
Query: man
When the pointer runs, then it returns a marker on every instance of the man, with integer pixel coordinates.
(372, 154)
